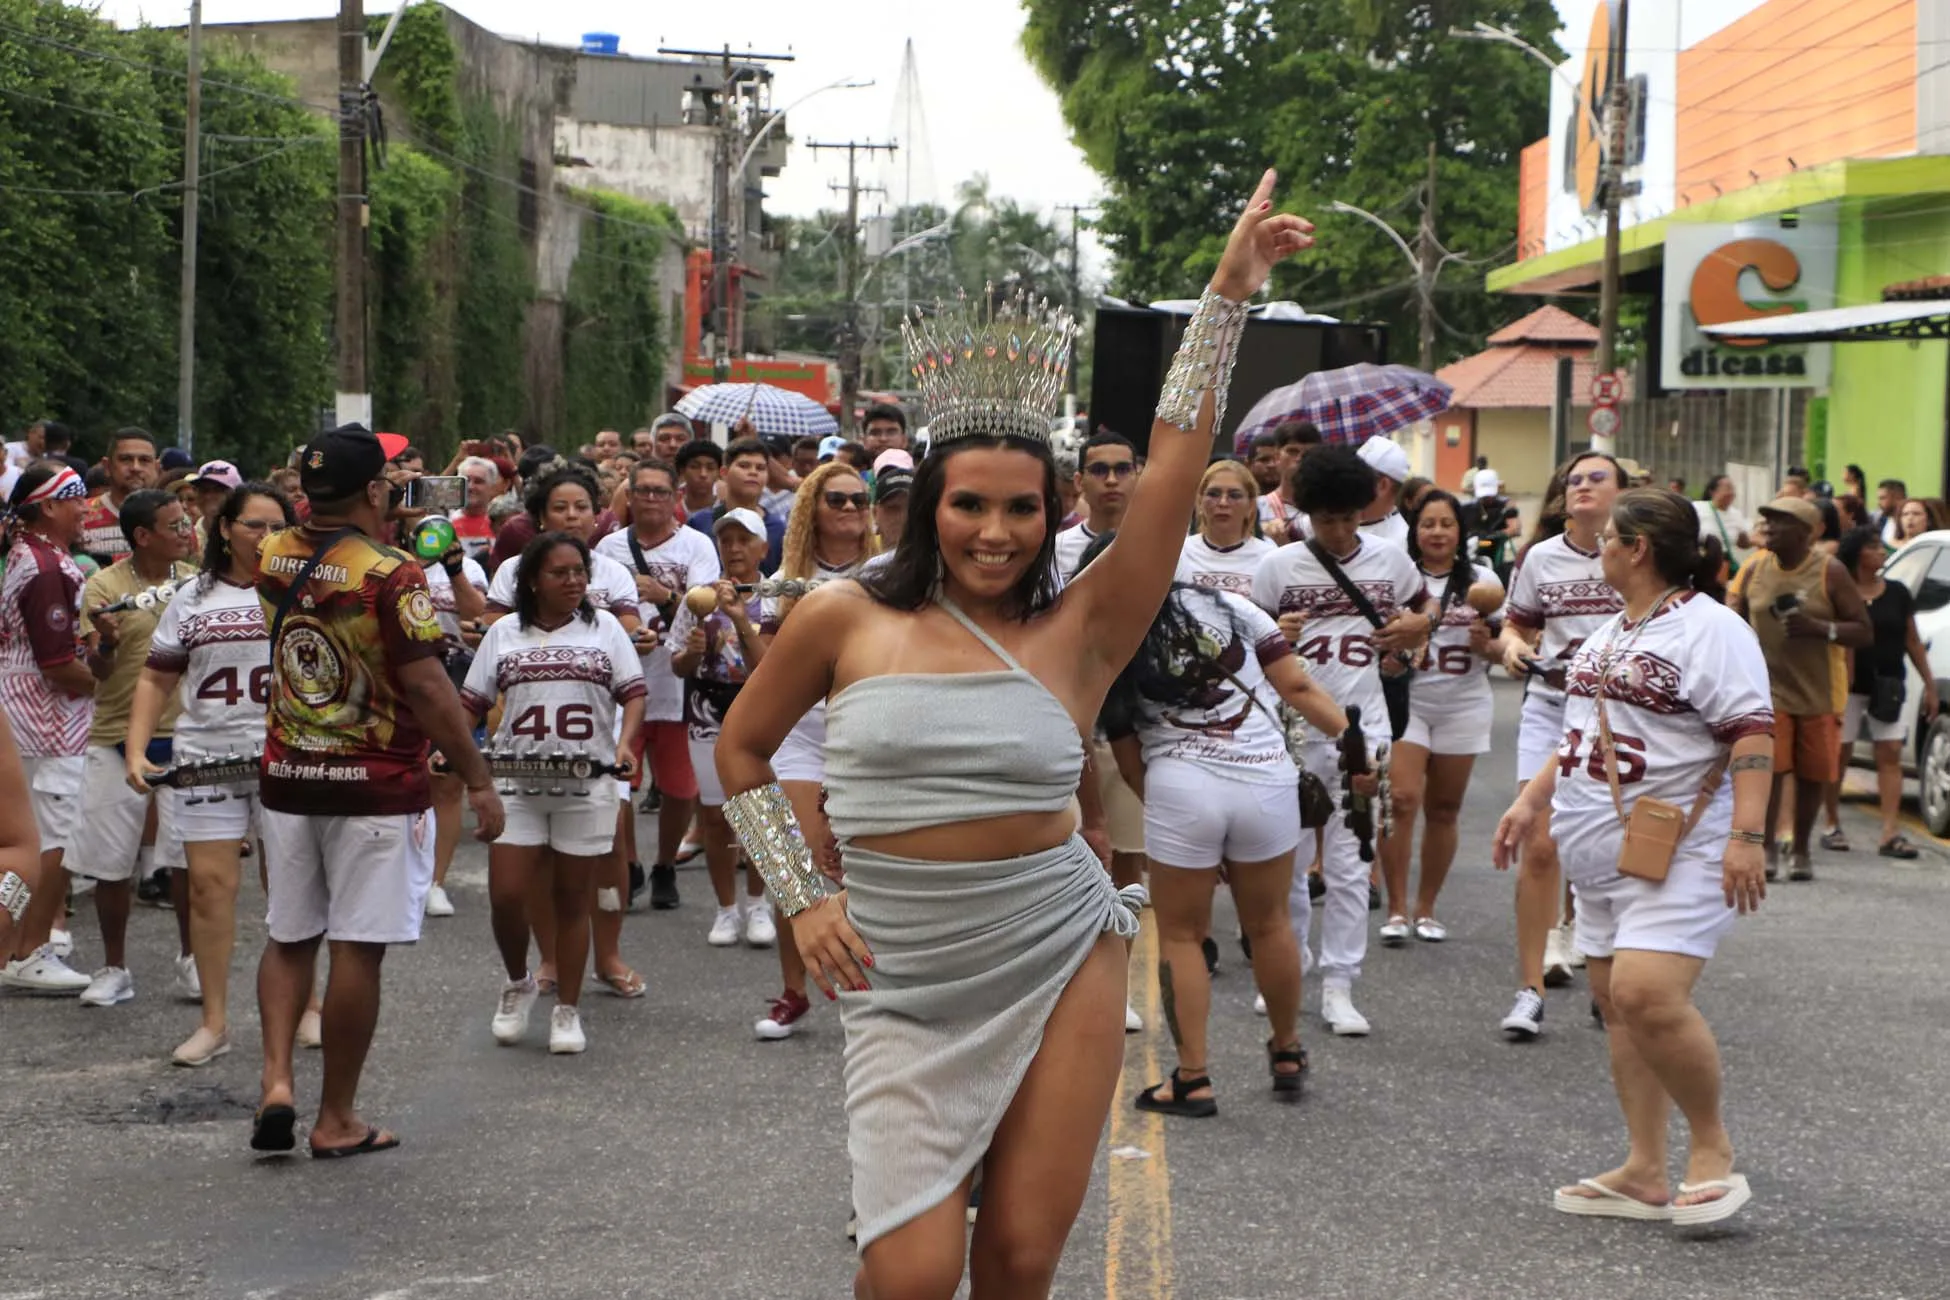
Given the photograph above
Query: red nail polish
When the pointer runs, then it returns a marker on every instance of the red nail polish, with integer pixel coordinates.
(867, 962)
(832, 996)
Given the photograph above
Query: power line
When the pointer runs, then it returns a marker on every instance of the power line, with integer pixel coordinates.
(148, 124)
(166, 185)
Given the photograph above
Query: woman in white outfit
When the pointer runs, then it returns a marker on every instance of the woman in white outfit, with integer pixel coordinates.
(1224, 552)
(1192, 720)
(1666, 700)
(1449, 719)
(212, 640)
(563, 671)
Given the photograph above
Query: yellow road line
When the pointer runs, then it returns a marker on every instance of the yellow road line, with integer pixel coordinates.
(1137, 1244)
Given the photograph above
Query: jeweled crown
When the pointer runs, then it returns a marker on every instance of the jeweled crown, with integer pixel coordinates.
(990, 368)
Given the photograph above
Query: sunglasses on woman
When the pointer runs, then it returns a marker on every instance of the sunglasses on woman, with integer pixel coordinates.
(1593, 477)
(841, 500)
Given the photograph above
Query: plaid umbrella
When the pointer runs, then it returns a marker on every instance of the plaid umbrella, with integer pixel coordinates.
(1349, 405)
(778, 411)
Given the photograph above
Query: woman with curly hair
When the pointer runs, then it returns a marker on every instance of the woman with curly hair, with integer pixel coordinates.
(829, 535)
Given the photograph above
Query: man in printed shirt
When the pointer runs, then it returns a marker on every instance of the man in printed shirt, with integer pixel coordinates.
(131, 468)
(358, 687)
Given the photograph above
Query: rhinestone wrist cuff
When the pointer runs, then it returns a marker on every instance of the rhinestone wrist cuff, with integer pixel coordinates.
(1204, 362)
(766, 826)
(14, 895)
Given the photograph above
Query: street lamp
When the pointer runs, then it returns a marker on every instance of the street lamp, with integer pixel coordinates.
(1494, 35)
(758, 137)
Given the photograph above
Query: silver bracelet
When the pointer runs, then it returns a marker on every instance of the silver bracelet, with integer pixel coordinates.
(1204, 362)
(14, 895)
(769, 830)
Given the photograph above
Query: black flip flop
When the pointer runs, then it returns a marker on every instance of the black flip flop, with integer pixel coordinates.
(1179, 1103)
(274, 1128)
(371, 1143)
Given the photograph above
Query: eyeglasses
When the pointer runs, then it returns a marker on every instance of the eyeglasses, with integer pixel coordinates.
(1224, 494)
(841, 500)
(1594, 478)
(654, 493)
(181, 526)
(254, 525)
(1111, 469)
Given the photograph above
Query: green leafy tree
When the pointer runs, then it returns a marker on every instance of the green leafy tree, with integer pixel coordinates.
(1180, 104)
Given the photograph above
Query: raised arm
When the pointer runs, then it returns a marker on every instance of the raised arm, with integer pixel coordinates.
(1116, 598)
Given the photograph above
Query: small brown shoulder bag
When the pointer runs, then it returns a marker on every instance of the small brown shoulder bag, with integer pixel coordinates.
(1654, 829)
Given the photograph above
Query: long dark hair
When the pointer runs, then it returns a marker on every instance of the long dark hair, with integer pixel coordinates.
(1171, 667)
(1463, 570)
(216, 549)
(529, 568)
(911, 578)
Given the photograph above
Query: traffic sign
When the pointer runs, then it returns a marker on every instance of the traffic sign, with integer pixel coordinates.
(1603, 421)
(1607, 390)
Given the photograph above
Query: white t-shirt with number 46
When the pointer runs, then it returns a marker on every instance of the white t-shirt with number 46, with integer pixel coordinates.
(561, 688)
(218, 641)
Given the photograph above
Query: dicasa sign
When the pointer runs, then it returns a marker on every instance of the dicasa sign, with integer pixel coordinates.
(1724, 274)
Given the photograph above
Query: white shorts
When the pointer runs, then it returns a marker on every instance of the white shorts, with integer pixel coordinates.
(55, 792)
(799, 758)
(1686, 913)
(353, 879)
(1858, 725)
(1463, 728)
(218, 813)
(1123, 810)
(581, 827)
(108, 829)
(704, 766)
(1539, 732)
(1194, 817)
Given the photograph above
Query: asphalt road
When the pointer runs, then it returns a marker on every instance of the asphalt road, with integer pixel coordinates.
(680, 1158)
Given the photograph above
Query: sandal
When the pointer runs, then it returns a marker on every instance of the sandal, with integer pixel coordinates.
(624, 984)
(1835, 841)
(1178, 1103)
(1287, 1085)
(1897, 847)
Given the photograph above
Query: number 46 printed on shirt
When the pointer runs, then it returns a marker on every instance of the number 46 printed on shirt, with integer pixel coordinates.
(1631, 757)
(571, 722)
(227, 684)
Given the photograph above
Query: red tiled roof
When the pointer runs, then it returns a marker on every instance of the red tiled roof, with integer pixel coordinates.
(1516, 376)
(1547, 325)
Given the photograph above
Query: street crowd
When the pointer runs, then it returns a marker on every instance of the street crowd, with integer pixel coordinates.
(315, 675)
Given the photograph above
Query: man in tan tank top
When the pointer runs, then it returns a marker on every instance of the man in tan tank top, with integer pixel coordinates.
(1801, 603)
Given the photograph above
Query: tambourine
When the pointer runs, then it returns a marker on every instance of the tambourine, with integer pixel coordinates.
(703, 601)
(524, 771)
(232, 768)
(151, 599)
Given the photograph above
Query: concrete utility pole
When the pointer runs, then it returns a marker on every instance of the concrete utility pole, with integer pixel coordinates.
(734, 134)
(1614, 189)
(850, 275)
(186, 306)
(1427, 266)
(1076, 211)
(353, 400)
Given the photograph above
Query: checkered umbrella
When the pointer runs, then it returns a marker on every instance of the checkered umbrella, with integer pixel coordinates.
(778, 411)
(1349, 405)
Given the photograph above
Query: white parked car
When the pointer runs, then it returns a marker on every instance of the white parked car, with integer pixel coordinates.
(1923, 566)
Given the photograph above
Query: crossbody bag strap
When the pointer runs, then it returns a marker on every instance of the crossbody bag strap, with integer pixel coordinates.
(290, 597)
(1709, 784)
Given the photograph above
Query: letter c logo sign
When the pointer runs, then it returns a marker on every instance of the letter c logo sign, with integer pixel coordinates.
(1715, 290)
(1594, 90)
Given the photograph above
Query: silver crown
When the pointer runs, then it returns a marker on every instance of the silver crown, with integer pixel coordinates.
(990, 372)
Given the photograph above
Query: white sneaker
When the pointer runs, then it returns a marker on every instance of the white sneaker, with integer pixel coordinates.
(1395, 933)
(1259, 1004)
(1133, 1022)
(759, 930)
(111, 984)
(1526, 1019)
(1569, 940)
(311, 1030)
(1337, 1009)
(438, 904)
(189, 985)
(62, 941)
(511, 1015)
(727, 929)
(565, 1036)
(42, 971)
(1557, 959)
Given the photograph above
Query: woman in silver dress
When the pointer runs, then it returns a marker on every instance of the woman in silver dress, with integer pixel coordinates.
(982, 999)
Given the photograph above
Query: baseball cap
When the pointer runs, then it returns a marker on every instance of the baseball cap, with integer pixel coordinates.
(1795, 508)
(830, 445)
(745, 517)
(219, 471)
(1487, 483)
(175, 458)
(891, 482)
(1384, 457)
(893, 458)
(337, 464)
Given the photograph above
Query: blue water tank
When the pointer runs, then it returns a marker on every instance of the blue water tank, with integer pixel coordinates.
(601, 43)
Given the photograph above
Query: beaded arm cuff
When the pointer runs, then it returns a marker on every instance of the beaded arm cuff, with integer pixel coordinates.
(766, 826)
(14, 894)
(1204, 362)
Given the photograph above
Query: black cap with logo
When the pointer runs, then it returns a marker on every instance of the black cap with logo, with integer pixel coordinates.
(336, 464)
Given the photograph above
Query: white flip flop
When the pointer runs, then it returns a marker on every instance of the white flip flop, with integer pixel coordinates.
(1609, 1203)
(1734, 1194)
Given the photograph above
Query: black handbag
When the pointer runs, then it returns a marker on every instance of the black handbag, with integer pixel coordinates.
(1886, 694)
(1394, 689)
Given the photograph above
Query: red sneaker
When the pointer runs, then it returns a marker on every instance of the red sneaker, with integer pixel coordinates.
(782, 1020)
